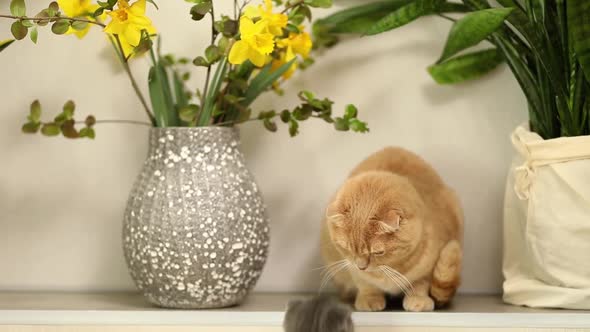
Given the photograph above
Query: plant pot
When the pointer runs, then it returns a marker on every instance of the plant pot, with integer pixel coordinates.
(195, 233)
(547, 222)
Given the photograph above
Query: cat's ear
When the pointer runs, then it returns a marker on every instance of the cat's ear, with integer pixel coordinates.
(334, 216)
(390, 222)
(332, 210)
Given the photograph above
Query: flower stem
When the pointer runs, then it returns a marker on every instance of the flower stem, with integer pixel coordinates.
(133, 81)
(132, 122)
(48, 19)
(213, 35)
(298, 3)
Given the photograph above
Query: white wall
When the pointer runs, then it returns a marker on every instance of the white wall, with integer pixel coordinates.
(61, 201)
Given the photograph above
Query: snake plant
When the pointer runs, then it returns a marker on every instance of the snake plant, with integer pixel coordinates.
(546, 44)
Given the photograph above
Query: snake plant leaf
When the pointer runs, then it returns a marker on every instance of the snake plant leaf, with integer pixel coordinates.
(264, 80)
(5, 43)
(472, 29)
(466, 67)
(359, 19)
(578, 21)
(404, 15)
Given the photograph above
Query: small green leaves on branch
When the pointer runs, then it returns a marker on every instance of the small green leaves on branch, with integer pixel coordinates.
(200, 8)
(64, 123)
(60, 24)
(18, 8)
(312, 107)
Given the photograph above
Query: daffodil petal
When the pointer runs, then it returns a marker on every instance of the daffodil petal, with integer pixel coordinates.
(138, 8)
(132, 36)
(239, 53)
(252, 12)
(257, 58)
(246, 26)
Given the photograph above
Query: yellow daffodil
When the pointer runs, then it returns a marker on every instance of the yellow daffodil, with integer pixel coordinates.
(128, 22)
(78, 8)
(296, 43)
(274, 22)
(255, 45)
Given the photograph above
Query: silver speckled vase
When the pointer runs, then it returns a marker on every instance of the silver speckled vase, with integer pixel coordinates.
(195, 233)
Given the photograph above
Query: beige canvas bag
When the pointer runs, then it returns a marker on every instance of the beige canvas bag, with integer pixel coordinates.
(547, 222)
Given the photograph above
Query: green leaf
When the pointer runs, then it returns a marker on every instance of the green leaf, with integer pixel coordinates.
(358, 126)
(189, 113)
(199, 11)
(68, 109)
(30, 127)
(212, 53)
(472, 29)
(466, 67)
(211, 97)
(306, 95)
(356, 19)
(19, 31)
(153, 3)
(264, 80)
(200, 61)
(34, 35)
(27, 23)
(293, 128)
(270, 125)
(79, 25)
(90, 121)
(35, 114)
(341, 124)
(318, 3)
(160, 96)
(60, 27)
(285, 116)
(350, 112)
(68, 129)
(18, 8)
(87, 132)
(50, 129)
(5, 43)
(578, 23)
(404, 15)
(53, 9)
(179, 91)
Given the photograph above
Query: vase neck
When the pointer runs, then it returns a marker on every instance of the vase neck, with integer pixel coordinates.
(190, 141)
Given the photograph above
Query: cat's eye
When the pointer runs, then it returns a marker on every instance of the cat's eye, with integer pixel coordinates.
(378, 253)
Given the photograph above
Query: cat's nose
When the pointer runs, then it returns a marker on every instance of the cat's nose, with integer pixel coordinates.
(362, 263)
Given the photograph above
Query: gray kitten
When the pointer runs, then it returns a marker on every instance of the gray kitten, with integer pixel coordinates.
(319, 314)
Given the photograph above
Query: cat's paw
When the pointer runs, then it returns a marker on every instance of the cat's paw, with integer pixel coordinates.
(373, 302)
(418, 303)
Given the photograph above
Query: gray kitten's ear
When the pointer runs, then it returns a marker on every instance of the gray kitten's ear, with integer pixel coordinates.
(293, 304)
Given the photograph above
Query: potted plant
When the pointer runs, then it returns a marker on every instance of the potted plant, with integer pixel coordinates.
(546, 44)
(195, 230)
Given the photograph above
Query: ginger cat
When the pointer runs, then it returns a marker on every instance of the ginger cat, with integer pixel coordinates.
(393, 227)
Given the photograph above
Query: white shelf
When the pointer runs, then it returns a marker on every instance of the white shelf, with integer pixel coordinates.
(263, 310)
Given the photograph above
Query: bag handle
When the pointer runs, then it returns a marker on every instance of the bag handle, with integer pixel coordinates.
(538, 152)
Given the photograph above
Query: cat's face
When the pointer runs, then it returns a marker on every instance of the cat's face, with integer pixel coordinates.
(376, 220)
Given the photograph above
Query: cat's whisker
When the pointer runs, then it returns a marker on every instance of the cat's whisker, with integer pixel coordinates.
(334, 270)
(328, 273)
(326, 267)
(402, 278)
(404, 286)
(395, 280)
